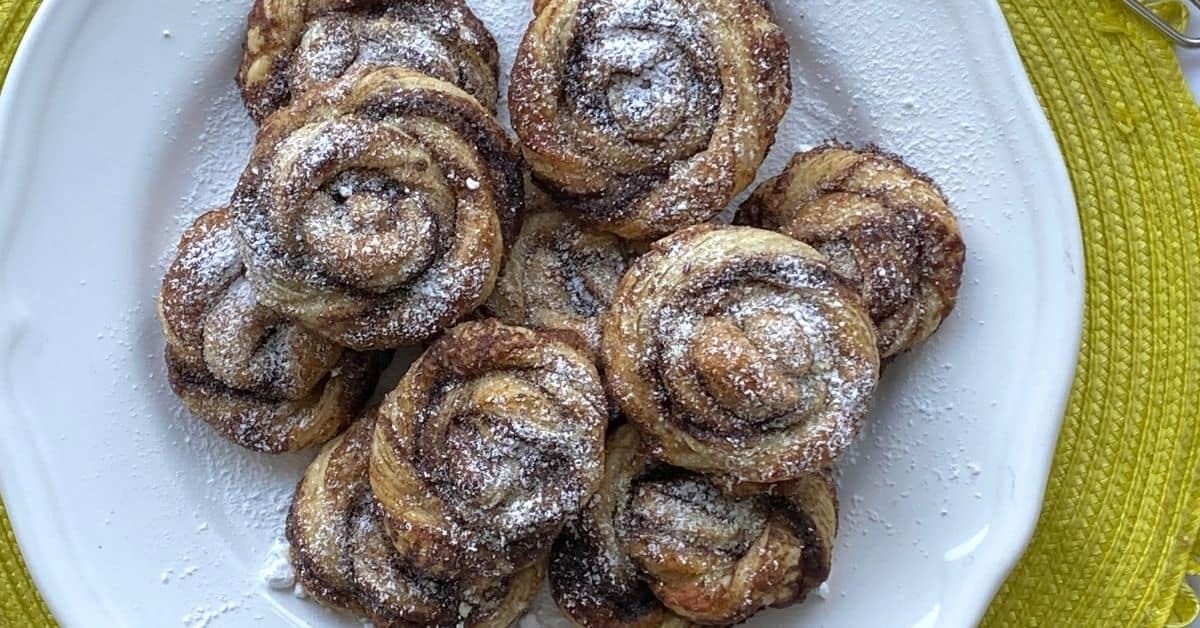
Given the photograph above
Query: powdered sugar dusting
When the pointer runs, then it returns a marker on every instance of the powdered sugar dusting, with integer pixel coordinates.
(364, 225)
(744, 353)
(560, 275)
(214, 261)
(204, 616)
(219, 152)
(687, 513)
(277, 572)
(842, 94)
(512, 451)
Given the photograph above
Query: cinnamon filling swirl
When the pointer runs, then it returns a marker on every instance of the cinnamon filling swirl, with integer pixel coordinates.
(645, 117)
(740, 352)
(886, 228)
(295, 46)
(374, 211)
(487, 447)
(254, 376)
(645, 77)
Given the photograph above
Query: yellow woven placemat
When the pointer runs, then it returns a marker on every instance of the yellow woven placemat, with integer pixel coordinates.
(1119, 523)
(1120, 515)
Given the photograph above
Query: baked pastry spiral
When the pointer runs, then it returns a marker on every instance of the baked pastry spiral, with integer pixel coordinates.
(293, 46)
(646, 116)
(343, 558)
(660, 546)
(716, 558)
(259, 380)
(372, 211)
(493, 439)
(592, 578)
(739, 351)
(885, 227)
(560, 274)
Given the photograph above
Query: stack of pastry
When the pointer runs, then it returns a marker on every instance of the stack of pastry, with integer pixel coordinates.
(441, 506)
(643, 403)
(372, 215)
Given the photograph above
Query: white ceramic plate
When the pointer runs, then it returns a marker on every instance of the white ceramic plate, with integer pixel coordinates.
(119, 122)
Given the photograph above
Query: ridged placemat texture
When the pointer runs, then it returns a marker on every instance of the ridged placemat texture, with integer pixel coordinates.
(1120, 516)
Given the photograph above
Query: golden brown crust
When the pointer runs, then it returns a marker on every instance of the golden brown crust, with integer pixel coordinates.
(294, 45)
(493, 439)
(591, 576)
(344, 560)
(646, 116)
(660, 546)
(258, 379)
(560, 274)
(717, 559)
(738, 351)
(372, 211)
(886, 228)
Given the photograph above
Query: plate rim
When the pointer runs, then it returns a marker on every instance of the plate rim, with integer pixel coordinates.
(41, 549)
(1056, 389)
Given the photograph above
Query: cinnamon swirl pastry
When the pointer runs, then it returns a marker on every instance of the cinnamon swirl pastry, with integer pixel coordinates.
(592, 578)
(259, 380)
(560, 274)
(646, 116)
(493, 439)
(739, 351)
(294, 45)
(660, 546)
(717, 558)
(344, 560)
(372, 211)
(885, 227)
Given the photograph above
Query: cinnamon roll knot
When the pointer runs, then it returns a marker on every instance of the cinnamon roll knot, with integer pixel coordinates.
(373, 211)
(739, 351)
(344, 559)
(490, 443)
(560, 274)
(648, 116)
(293, 46)
(254, 376)
(886, 228)
(662, 546)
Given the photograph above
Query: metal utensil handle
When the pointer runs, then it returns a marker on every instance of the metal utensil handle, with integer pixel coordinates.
(1173, 33)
